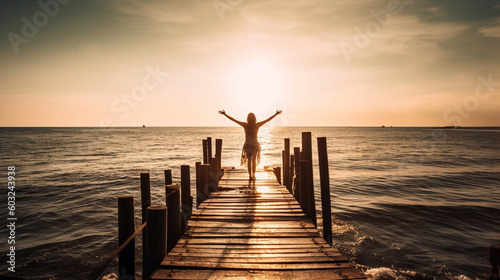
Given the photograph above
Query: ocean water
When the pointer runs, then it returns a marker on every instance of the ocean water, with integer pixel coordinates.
(407, 203)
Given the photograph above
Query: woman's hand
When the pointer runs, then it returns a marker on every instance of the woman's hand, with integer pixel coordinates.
(278, 112)
(222, 112)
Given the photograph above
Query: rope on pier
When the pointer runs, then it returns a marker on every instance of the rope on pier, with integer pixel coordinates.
(99, 269)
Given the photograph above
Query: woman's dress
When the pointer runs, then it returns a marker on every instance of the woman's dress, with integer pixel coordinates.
(250, 148)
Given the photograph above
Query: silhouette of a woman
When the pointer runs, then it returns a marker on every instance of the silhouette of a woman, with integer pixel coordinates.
(251, 149)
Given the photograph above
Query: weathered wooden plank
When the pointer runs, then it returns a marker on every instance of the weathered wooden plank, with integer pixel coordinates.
(223, 254)
(252, 235)
(197, 230)
(238, 209)
(253, 224)
(254, 251)
(252, 215)
(253, 241)
(252, 185)
(233, 247)
(208, 211)
(254, 200)
(241, 206)
(264, 205)
(333, 274)
(248, 219)
(260, 266)
(255, 260)
(277, 233)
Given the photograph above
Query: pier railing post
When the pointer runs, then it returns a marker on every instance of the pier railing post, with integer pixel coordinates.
(168, 177)
(286, 165)
(283, 167)
(156, 233)
(296, 189)
(202, 184)
(205, 151)
(218, 155)
(126, 227)
(209, 148)
(174, 227)
(277, 173)
(290, 175)
(307, 155)
(187, 199)
(145, 203)
(324, 175)
(212, 176)
(197, 179)
(145, 194)
(304, 184)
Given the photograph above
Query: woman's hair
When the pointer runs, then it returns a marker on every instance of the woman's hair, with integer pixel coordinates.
(251, 118)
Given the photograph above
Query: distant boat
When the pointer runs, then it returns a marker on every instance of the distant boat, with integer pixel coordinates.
(449, 126)
(452, 126)
(143, 126)
(383, 125)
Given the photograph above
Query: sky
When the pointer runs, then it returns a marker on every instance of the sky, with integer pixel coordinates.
(176, 63)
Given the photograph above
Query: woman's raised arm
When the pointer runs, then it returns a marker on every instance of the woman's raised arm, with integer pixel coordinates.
(270, 118)
(222, 112)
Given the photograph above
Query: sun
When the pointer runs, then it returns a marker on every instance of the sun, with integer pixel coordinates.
(258, 86)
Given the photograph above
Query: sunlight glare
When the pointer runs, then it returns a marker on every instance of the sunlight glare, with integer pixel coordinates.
(258, 87)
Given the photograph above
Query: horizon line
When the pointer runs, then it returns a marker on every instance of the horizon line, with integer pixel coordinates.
(298, 126)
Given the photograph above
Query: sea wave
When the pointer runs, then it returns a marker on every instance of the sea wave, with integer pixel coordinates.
(406, 204)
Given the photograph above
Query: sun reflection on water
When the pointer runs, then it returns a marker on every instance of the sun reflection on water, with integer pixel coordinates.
(265, 135)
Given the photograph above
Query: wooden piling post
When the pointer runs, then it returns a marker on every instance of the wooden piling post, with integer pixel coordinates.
(205, 151)
(126, 227)
(145, 203)
(168, 177)
(296, 190)
(185, 182)
(290, 174)
(307, 155)
(286, 165)
(283, 166)
(174, 223)
(277, 173)
(305, 202)
(202, 184)
(145, 194)
(209, 148)
(218, 155)
(156, 235)
(212, 176)
(324, 175)
(197, 174)
(187, 199)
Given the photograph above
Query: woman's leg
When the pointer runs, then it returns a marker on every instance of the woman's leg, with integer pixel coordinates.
(254, 166)
(249, 159)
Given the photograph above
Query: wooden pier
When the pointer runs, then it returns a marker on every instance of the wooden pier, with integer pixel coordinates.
(241, 229)
(260, 229)
(253, 230)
